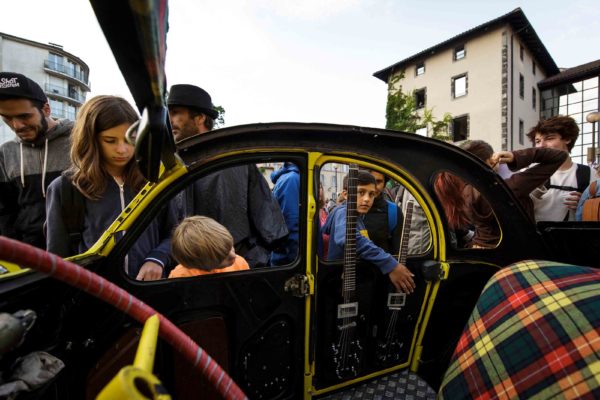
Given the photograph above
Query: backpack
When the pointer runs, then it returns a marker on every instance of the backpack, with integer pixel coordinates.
(73, 211)
(591, 206)
(392, 215)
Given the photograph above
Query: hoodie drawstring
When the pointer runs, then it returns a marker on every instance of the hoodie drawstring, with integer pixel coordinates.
(44, 168)
(22, 167)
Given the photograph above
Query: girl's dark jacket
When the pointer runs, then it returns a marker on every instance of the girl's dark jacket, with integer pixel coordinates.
(26, 170)
(152, 245)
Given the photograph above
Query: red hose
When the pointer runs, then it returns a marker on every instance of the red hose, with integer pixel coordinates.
(29, 256)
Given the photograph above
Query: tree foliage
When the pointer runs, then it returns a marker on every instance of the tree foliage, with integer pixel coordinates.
(402, 115)
(220, 120)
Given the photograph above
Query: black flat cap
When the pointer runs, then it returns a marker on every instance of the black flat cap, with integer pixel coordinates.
(192, 96)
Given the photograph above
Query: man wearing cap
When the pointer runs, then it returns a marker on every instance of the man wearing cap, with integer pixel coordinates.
(191, 111)
(37, 155)
(237, 197)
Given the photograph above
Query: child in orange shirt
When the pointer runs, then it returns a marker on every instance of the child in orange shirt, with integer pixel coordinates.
(203, 246)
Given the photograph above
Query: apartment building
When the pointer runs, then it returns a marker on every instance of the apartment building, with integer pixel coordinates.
(62, 75)
(575, 92)
(486, 78)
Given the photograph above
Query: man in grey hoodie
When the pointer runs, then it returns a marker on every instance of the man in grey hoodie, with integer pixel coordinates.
(37, 155)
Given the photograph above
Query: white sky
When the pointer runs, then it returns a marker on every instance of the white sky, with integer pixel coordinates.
(299, 60)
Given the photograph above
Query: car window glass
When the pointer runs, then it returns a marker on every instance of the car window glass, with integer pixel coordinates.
(469, 216)
(254, 206)
(384, 220)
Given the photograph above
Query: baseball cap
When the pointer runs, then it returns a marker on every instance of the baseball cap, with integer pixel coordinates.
(17, 85)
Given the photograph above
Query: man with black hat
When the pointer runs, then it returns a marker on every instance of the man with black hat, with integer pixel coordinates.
(237, 197)
(191, 111)
(37, 155)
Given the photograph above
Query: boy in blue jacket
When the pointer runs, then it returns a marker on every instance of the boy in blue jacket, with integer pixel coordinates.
(400, 276)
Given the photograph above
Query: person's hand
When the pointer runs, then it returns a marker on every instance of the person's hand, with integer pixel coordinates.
(572, 200)
(502, 157)
(150, 271)
(402, 279)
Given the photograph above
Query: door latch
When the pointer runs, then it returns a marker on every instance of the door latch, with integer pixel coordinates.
(298, 286)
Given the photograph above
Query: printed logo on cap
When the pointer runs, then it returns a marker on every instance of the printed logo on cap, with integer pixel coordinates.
(6, 83)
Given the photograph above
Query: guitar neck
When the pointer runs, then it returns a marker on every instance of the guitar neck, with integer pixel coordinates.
(349, 278)
(406, 232)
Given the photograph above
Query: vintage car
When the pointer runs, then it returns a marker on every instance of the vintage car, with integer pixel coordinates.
(274, 329)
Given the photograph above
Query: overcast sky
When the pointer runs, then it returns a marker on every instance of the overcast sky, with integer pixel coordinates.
(299, 60)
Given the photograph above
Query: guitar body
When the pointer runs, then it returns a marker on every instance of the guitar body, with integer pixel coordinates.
(389, 340)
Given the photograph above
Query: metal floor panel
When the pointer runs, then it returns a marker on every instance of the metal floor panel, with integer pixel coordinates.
(400, 385)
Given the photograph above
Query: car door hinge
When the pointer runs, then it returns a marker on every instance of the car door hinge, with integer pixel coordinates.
(298, 286)
(432, 271)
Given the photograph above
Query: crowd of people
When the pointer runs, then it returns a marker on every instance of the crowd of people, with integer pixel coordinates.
(63, 183)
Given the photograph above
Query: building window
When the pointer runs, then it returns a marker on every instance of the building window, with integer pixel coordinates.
(533, 68)
(521, 52)
(420, 69)
(521, 132)
(460, 128)
(459, 52)
(420, 98)
(459, 86)
(521, 86)
(533, 98)
(55, 62)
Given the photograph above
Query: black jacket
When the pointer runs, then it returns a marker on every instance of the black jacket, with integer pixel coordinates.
(240, 199)
(377, 224)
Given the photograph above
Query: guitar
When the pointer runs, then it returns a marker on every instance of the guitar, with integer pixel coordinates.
(347, 350)
(388, 348)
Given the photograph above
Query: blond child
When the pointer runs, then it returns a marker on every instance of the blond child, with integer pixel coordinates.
(203, 246)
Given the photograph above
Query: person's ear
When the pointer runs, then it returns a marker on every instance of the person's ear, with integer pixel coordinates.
(46, 110)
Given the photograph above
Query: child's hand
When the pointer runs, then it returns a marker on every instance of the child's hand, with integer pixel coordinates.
(150, 271)
(402, 279)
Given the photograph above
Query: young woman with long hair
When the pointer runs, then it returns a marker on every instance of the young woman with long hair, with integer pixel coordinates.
(104, 174)
(464, 205)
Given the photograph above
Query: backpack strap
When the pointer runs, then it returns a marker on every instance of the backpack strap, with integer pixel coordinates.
(392, 215)
(73, 212)
(582, 174)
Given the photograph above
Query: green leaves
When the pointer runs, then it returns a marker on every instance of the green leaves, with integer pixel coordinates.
(402, 115)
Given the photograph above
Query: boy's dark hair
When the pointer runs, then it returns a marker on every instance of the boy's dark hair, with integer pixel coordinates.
(363, 178)
(479, 148)
(566, 127)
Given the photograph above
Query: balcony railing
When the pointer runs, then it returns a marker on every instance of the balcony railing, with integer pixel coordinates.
(63, 113)
(61, 91)
(67, 70)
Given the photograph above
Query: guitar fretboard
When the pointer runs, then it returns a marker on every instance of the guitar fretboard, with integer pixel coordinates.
(406, 232)
(349, 279)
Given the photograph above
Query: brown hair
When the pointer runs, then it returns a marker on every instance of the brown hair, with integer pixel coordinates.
(87, 172)
(201, 242)
(479, 148)
(449, 189)
(566, 127)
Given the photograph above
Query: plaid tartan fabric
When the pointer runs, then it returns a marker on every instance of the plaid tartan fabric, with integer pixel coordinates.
(535, 333)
